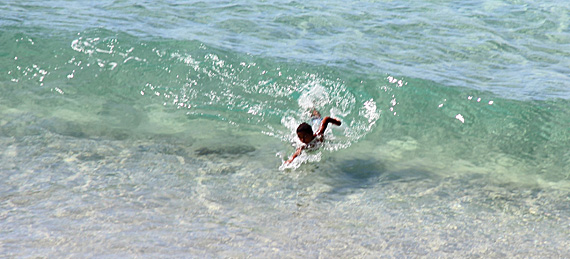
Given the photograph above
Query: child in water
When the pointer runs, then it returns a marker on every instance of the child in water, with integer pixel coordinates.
(305, 133)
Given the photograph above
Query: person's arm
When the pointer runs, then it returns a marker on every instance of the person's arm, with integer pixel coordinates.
(297, 153)
(325, 123)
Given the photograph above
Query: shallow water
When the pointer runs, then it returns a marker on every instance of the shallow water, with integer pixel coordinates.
(160, 129)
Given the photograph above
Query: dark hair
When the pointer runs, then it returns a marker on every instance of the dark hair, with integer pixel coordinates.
(304, 127)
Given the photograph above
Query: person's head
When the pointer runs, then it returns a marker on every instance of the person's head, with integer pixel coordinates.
(305, 133)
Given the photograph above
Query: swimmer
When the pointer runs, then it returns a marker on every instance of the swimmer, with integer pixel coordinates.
(305, 133)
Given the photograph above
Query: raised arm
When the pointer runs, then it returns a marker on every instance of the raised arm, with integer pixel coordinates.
(325, 123)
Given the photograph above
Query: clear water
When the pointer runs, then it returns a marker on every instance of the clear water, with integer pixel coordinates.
(159, 129)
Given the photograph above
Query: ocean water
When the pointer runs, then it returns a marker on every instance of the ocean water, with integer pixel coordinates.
(159, 129)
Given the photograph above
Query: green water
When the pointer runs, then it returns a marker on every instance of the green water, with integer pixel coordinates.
(104, 86)
(160, 129)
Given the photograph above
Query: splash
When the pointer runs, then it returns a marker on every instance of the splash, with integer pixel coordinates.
(272, 99)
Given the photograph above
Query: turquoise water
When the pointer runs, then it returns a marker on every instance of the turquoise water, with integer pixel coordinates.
(160, 129)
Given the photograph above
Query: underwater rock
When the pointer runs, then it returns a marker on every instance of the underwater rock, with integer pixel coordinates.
(165, 149)
(63, 127)
(237, 150)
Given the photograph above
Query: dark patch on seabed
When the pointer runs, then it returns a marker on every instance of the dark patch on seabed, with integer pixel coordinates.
(356, 174)
(225, 151)
(352, 175)
(164, 148)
